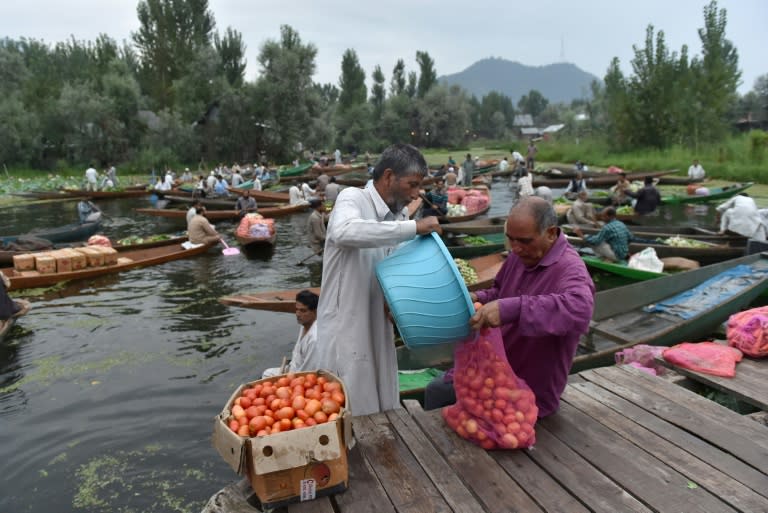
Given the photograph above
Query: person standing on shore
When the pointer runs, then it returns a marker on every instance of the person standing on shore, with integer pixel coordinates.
(469, 168)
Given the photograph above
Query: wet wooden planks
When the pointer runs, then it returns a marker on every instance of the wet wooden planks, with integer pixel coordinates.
(622, 441)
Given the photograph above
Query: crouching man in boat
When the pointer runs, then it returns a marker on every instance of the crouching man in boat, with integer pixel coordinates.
(306, 315)
(740, 215)
(612, 241)
(200, 230)
(542, 299)
(88, 212)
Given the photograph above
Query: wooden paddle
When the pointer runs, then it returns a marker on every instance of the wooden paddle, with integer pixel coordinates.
(319, 252)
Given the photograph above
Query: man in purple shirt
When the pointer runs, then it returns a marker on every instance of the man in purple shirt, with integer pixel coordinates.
(542, 298)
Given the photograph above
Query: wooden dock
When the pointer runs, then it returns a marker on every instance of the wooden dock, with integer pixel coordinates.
(623, 440)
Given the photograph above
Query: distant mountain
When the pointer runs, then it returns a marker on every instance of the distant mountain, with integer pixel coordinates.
(557, 82)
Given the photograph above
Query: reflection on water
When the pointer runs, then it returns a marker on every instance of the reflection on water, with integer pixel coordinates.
(108, 388)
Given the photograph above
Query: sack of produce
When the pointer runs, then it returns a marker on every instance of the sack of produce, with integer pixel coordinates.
(99, 240)
(456, 194)
(475, 202)
(748, 331)
(643, 357)
(494, 408)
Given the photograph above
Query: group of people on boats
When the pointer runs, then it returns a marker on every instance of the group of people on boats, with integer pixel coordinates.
(101, 182)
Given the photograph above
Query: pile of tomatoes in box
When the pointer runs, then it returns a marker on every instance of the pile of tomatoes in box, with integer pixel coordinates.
(283, 403)
(494, 408)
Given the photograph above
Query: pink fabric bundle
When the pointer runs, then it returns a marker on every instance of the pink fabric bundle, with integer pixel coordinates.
(641, 356)
(706, 357)
(99, 240)
(455, 195)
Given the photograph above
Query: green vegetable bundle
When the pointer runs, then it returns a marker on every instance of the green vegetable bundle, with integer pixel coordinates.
(466, 270)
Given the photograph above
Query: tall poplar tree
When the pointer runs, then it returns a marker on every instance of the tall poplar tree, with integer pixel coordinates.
(352, 81)
(397, 82)
(427, 73)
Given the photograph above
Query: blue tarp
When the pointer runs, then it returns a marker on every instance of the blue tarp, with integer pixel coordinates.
(710, 293)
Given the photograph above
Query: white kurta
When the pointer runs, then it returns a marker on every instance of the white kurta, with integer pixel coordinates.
(740, 215)
(304, 347)
(355, 338)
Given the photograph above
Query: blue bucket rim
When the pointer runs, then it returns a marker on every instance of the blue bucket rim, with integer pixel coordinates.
(456, 274)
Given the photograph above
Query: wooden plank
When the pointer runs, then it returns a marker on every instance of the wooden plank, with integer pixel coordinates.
(565, 481)
(707, 419)
(321, 505)
(447, 483)
(497, 492)
(682, 438)
(703, 474)
(403, 479)
(365, 493)
(649, 479)
(750, 384)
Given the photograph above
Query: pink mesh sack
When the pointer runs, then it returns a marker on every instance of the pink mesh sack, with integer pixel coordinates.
(748, 332)
(494, 408)
(706, 357)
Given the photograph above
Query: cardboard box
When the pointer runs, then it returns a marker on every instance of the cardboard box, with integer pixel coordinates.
(63, 261)
(79, 261)
(45, 263)
(291, 466)
(109, 254)
(25, 262)
(94, 257)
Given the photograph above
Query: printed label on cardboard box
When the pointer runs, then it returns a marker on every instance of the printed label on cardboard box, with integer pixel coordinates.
(308, 490)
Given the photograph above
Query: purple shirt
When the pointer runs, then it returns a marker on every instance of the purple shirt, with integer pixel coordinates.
(544, 310)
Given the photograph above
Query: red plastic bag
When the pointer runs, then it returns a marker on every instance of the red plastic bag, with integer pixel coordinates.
(494, 408)
(748, 331)
(706, 357)
(641, 356)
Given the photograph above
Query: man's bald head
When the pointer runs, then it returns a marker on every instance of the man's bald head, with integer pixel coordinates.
(540, 210)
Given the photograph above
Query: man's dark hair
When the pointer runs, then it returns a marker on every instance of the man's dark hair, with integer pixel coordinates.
(333, 179)
(402, 159)
(609, 212)
(314, 203)
(308, 299)
(648, 180)
(541, 210)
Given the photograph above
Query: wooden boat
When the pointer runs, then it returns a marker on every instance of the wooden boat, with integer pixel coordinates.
(127, 260)
(6, 257)
(285, 300)
(711, 254)
(126, 193)
(216, 203)
(477, 226)
(621, 319)
(218, 215)
(458, 247)
(687, 232)
(249, 242)
(295, 171)
(606, 180)
(280, 197)
(715, 193)
(67, 233)
(620, 269)
(469, 215)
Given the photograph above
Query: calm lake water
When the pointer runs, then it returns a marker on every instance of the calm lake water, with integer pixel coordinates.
(108, 388)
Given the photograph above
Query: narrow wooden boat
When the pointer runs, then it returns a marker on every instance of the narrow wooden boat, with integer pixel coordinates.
(284, 301)
(126, 193)
(715, 194)
(249, 242)
(127, 260)
(464, 218)
(218, 215)
(626, 316)
(686, 232)
(606, 180)
(281, 197)
(711, 254)
(6, 257)
(67, 233)
(216, 203)
(460, 247)
(477, 226)
(295, 171)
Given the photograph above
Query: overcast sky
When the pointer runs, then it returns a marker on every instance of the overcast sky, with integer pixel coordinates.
(587, 33)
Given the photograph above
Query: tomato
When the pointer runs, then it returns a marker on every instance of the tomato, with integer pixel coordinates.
(471, 426)
(513, 427)
(478, 305)
(251, 393)
(257, 424)
(312, 407)
(256, 389)
(485, 393)
(275, 404)
(244, 430)
(488, 444)
(322, 380)
(309, 421)
(251, 412)
(332, 417)
(283, 392)
(476, 383)
(234, 425)
(285, 412)
(297, 381)
(283, 382)
(338, 396)
(238, 411)
(245, 402)
(332, 386)
(269, 418)
(462, 432)
(260, 409)
(263, 432)
(298, 402)
(302, 414)
(330, 406)
(509, 441)
(297, 423)
(259, 401)
(497, 415)
(239, 401)
(500, 404)
(321, 417)
(310, 379)
(297, 390)
(285, 425)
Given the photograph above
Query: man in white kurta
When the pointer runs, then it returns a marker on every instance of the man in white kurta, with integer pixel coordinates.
(740, 215)
(355, 338)
(306, 316)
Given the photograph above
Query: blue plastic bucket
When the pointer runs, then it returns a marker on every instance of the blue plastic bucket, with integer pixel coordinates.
(425, 292)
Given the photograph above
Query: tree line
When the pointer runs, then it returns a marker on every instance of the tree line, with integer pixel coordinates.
(176, 93)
